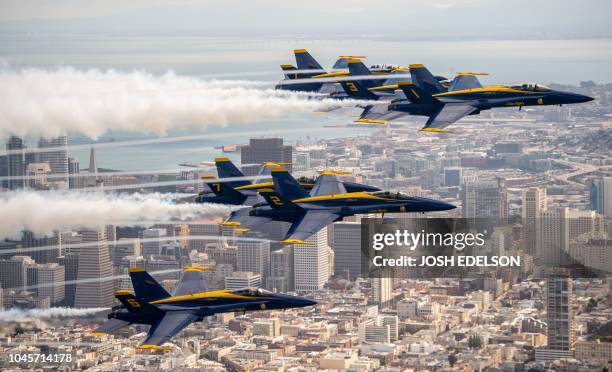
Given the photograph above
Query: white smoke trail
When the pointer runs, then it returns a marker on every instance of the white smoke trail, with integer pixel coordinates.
(49, 103)
(20, 315)
(43, 212)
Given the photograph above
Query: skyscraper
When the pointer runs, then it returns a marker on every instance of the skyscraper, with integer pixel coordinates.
(560, 319)
(534, 203)
(484, 198)
(13, 272)
(49, 281)
(73, 171)
(152, 247)
(260, 150)
(554, 226)
(45, 255)
(57, 160)
(70, 262)
(15, 162)
(347, 249)
(94, 287)
(254, 256)
(281, 271)
(381, 291)
(601, 195)
(311, 262)
(559, 312)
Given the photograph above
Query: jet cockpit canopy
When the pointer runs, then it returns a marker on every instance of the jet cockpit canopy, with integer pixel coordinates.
(533, 87)
(250, 291)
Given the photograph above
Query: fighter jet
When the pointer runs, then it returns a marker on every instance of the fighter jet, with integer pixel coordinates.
(244, 192)
(446, 107)
(168, 315)
(232, 192)
(327, 202)
(322, 82)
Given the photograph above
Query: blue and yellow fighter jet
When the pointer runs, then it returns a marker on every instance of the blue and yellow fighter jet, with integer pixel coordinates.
(243, 192)
(168, 315)
(327, 202)
(444, 107)
(310, 76)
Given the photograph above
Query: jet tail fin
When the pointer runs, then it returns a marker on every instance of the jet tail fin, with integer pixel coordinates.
(359, 88)
(276, 200)
(145, 287)
(287, 70)
(133, 304)
(225, 189)
(425, 80)
(305, 61)
(227, 169)
(287, 186)
(417, 95)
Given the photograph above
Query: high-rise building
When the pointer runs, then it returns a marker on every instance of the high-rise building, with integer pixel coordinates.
(281, 271)
(484, 199)
(15, 162)
(51, 251)
(70, 262)
(242, 279)
(202, 232)
(560, 319)
(393, 322)
(311, 264)
(3, 171)
(554, 226)
(152, 247)
(254, 256)
(260, 150)
(346, 243)
(123, 248)
(382, 288)
(73, 171)
(58, 160)
(13, 272)
(47, 280)
(452, 176)
(601, 195)
(36, 174)
(534, 203)
(94, 287)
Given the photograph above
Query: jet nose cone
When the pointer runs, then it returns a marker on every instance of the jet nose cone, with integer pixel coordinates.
(579, 98)
(303, 302)
(430, 205)
(439, 205)
(586, 98)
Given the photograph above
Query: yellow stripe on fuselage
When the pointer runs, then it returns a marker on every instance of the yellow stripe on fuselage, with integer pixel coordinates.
(223, 293)
(483, 90)
(348, 195)
(255, 186)
(331, 74)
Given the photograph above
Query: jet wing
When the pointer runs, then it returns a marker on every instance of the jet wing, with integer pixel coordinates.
(379, 114)
(310, 223)
(192, 281)
(112, 326)
(252, 200)
(167, 327)
(241, 219)
(448, 114)
(327, 184)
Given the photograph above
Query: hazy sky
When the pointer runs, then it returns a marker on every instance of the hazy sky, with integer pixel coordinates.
(402, 19)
